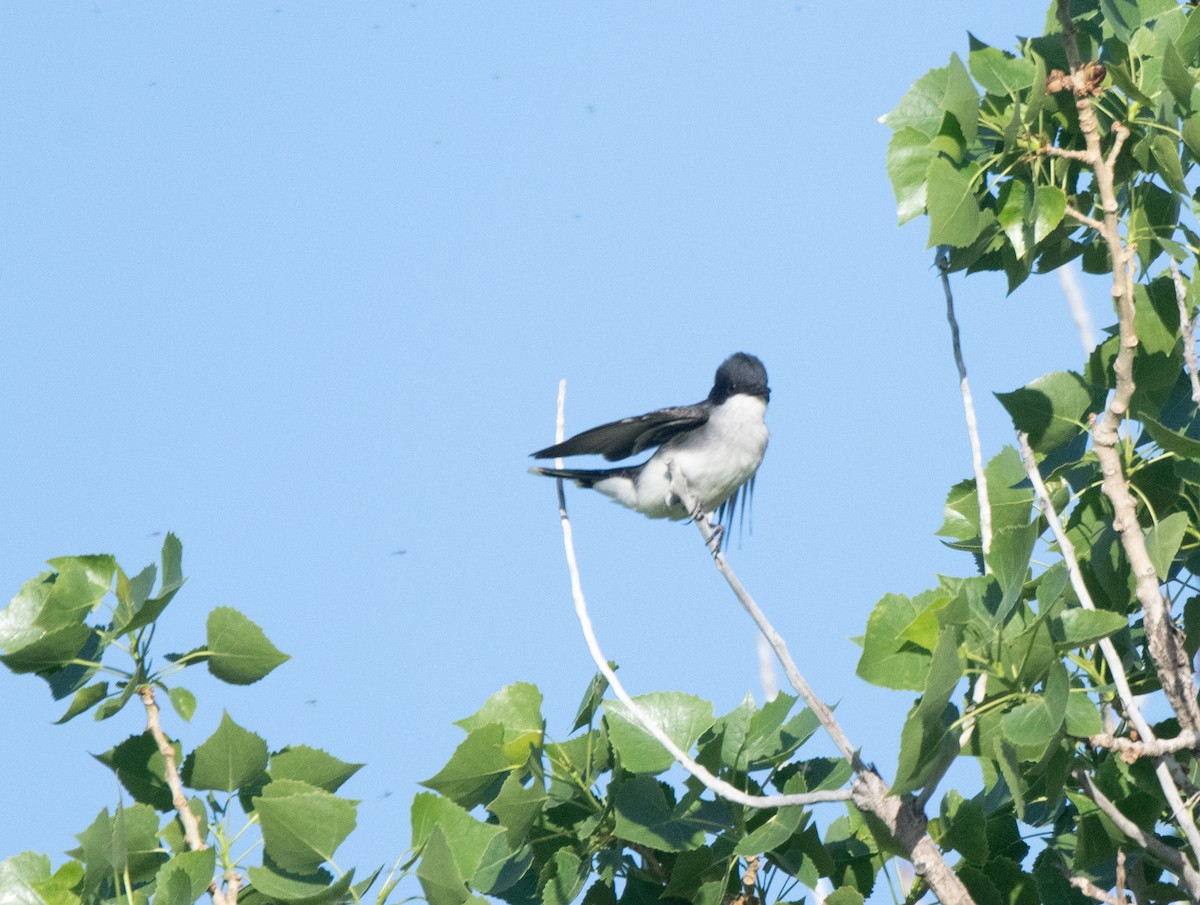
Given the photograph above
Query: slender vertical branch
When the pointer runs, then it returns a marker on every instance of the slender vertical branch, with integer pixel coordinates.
(1069, 281)
(985, 507)
(1164, 640)
(1187, 329)
(190, 822)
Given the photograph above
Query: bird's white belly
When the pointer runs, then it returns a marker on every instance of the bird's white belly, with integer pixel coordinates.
(715, 459)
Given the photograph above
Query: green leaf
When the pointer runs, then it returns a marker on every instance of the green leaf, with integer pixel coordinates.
(172, 886)
(1171, 441)
(1122, 17)
(479, 851)
(591, 699)
(683, 717)
(1050, 205)
(311, 888)
(645, 816)
(998, 71)
(925, 740)
(1167, 156)
(1177, 78)
(1034, 723)
(1012, 549)
(21, 876)
(184, 703)
(441, 880)
(18, 620)
(1191, 626)
(140, 767)
(518, 708)
(1163, 540)
(565, 878)
(965, 828)
(938, 92)
(239, 652)
(302, 825)
(954, 214)
(85, 699)
(82, 582)
(908, 157)
(844, 895)
(517, 807)
(1191, 131)
(887, 660)
(1052, 409)
(1079, 627)
(313, 766)
(1083, 718)
(194, 870)
(230, 757)
(772, 833)
(127, 841)
(52, 651)
(1015, 214)
(139, 609)
(477, 769)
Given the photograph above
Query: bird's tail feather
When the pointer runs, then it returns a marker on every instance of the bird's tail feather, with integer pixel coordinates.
(584, 477)
(736, 506)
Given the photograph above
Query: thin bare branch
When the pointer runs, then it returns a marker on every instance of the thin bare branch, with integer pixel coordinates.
(1092, 891)
(1069, 281)
(1187, 329)
(766, 669)
(190, 822)
(1174, 861)
(1068, 153)
(985, 508)
(869, 792)
(1084, 218)
(1151, 747)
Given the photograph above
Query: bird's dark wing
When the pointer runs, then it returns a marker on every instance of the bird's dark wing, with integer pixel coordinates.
(629, 436)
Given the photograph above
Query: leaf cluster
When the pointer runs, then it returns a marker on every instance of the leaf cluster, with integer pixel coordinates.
(87, 629)
(988, 148)
(524, 819)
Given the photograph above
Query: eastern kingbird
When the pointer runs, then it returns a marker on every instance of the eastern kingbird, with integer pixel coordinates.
(715, 445)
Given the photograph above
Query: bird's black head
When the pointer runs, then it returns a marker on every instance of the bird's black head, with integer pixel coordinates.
(740, 373)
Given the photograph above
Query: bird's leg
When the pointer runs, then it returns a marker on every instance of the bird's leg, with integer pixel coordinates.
(680, 492)
(716, 538)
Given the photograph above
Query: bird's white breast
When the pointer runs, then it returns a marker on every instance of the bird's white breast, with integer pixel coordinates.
(716, 459)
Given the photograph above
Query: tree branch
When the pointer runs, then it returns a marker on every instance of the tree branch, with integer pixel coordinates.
(191, 823)
(1174, 861)
(1147, 747)
(1163, 638)
(1075, 302)
(985, 508)
(1092, 891)
(1187, 329)
(869, 792)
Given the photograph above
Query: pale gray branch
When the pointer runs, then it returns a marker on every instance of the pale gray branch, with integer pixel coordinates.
(1069, 281)
(964, 386)
(869, 792)
(1187, 329)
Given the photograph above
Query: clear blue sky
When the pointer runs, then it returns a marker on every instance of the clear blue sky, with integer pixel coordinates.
(297, 281)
